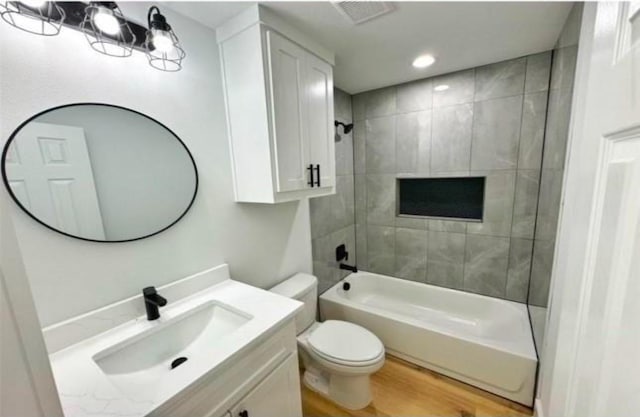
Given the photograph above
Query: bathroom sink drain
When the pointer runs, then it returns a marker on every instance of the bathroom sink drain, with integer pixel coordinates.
(177, 362)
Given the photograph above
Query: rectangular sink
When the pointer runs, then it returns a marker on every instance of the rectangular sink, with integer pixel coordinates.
(140, 362)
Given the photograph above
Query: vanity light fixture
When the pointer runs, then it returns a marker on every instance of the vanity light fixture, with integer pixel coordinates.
(34, 16)
(162, 44)
(107, 30)
(423, 61)
(105, 20)
(34, 4)
(441, 87)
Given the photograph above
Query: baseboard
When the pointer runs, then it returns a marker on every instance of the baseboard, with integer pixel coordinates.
(537, 408)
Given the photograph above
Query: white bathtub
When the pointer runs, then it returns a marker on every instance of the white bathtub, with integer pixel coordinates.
(483, 341)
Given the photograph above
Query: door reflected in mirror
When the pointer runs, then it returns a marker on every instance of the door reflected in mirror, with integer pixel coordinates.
(99, 172)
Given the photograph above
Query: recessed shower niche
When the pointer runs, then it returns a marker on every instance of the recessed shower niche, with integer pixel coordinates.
(459, 198)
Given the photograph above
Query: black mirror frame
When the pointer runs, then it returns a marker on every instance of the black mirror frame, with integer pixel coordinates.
(15, 199)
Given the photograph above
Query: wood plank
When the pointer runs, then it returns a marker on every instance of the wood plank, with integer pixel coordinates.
(402, 389)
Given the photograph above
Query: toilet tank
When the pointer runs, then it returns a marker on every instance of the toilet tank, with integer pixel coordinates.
(304, 288)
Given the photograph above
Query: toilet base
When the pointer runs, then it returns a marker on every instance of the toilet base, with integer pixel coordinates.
(350, 392)
(347, 386)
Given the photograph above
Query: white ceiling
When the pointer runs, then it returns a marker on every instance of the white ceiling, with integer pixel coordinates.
(379, 52)
(209, 13)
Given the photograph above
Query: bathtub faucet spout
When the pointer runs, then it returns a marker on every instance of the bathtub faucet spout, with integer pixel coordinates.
(346, 267)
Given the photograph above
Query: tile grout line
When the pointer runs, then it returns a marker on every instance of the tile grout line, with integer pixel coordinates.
(515, 185)
(544, 140)
(519, 170)
(432, 108)
(395, 164)
(466, 228)
(430, 173)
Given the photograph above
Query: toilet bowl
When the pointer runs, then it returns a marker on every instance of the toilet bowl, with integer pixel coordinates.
(338, 357)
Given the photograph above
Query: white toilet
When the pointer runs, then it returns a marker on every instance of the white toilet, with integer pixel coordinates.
(338, 356)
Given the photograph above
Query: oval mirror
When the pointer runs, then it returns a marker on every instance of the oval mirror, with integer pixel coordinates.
(99, 172)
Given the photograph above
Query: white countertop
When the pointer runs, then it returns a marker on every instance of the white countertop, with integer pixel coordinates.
(85, 390)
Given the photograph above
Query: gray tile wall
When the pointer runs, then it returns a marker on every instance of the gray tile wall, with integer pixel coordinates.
(332, 217)
(553, 158)
(489, 122)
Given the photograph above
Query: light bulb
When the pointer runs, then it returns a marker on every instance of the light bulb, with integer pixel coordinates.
(423, 61)
(34, 4)
(106, 21)
(162, 42)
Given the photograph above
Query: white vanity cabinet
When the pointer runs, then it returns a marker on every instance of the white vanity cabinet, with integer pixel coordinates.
(263, 381)
(278, 89)
(272, 397)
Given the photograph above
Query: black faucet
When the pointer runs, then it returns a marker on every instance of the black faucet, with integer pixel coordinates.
(153, 302)
(341, 253)
(346, 267)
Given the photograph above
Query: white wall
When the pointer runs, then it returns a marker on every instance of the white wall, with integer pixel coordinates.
(144, 178)
(27, 388)
(263, 244)
(17, 395)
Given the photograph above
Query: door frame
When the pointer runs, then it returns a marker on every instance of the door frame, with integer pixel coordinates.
(578, 233)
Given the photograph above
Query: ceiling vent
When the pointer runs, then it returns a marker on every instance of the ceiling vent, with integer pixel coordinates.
(362, 11)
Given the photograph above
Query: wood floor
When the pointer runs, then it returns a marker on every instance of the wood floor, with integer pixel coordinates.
(401, 389)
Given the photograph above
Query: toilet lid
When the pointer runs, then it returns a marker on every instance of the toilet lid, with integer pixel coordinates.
(345, 341)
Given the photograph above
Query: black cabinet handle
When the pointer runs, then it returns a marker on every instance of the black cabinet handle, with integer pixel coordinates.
(318, 175)
(243, 413)
(310, 168)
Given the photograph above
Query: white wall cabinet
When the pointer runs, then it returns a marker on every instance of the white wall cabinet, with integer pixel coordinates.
(279, 99)
(320, 119)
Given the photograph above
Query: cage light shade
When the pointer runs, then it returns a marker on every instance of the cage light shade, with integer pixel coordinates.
(115, 39)
(40, 18)
(164, 51)
(163, 47)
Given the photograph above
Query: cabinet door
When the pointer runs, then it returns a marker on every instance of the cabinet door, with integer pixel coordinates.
(278, 395)
(286, 69)
(319, 122)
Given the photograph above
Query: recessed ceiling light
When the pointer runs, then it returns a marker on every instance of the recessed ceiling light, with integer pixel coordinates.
(441, 87)
(423, 61)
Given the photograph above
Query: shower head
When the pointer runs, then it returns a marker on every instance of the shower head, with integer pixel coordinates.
(346, 128)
